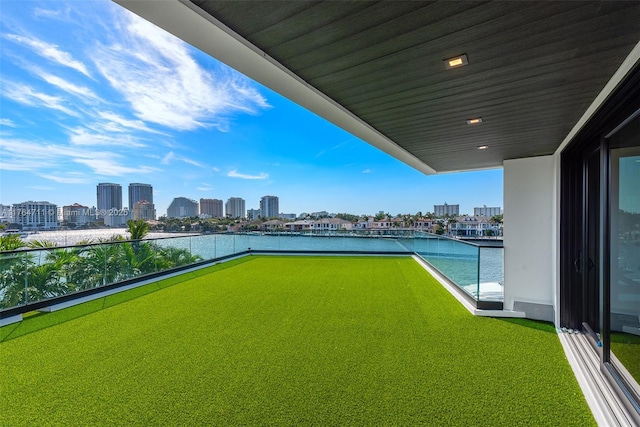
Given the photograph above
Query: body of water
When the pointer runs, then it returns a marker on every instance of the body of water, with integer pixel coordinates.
(463, 263)
(470, 267)
(72, 237)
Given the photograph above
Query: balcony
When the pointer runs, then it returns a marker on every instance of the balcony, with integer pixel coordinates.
(38, 278)
(283, 340)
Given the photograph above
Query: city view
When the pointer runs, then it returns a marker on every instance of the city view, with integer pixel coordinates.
(74, 116)
(340, 213)
(208, 215)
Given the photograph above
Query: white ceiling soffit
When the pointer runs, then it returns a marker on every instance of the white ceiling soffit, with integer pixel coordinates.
(189, 23)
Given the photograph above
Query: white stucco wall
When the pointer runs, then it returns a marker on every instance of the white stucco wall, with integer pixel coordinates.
(530, 231)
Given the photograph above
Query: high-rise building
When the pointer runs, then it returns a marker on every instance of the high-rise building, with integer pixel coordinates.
(269, 206)
(253, 214)
(36, 215)
(211, 207)
(109, 204)
(235, 207)
(487, 211)
(144, 209)
(139, 192)
(444, 210)
(77, 214)
(182, 207)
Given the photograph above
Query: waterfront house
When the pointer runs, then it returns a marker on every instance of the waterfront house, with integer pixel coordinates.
(299, 225)
(331, 224)
(473, 226)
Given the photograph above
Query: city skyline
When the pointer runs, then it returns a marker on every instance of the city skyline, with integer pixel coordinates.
(122, 101)
(123, 205)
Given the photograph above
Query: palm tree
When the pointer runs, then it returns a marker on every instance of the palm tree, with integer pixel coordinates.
(100, 265)
(24, 278)
(496, 220)
(170, 257)
(138, 228)
(13, 270)
(133, 261)
(11, 242)
(44, 281)
(28, 282)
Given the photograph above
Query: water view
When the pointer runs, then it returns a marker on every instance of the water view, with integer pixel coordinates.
(73, 237)
(31, 275)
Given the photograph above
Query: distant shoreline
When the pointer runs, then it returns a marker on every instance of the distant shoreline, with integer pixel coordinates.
(72, 237)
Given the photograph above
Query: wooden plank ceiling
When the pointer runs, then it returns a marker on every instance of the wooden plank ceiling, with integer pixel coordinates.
(534, 66)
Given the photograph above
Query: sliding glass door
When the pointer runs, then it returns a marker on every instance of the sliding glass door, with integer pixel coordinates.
(592, 321)
(624, 249)
(600, 238)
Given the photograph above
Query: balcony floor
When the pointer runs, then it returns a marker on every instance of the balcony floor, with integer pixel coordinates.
(286, 341)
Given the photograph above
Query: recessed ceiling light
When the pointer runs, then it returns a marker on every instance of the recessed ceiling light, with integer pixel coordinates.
(458, 61)
(482, 147)
(474, 121)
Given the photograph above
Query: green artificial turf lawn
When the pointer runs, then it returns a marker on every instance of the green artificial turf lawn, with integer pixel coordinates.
(289, 341)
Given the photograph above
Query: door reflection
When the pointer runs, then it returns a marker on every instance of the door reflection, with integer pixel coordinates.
(625, 249)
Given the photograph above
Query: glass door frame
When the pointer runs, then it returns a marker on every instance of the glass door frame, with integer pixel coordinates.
(577, 302)
(611, 369)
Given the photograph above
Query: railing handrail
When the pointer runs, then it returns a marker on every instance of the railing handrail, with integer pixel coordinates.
(422, 244)
(108, 242)
(369, 233)
(466, 242)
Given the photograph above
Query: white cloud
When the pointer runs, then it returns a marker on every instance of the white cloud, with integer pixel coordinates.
(7, 122)
(47, 13)
(25, 164)
(17, 151)
(192, 162)
(109, 166)
(81, 91)
(65, 179)
(235, 174)
(37, 157)
(163, 83)
(26, 95)
(61, 15)
(166, 160)
(332, 148)
(121, 124)
(171, 157)
(366, 171)
(80, 136)
(51, 52)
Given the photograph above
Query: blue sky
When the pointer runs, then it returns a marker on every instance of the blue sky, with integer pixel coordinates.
(91, 93)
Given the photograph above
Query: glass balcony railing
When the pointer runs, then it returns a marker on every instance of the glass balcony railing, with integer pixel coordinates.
(30, 276)
(34, 275)
(476, 269)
